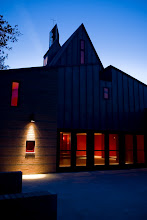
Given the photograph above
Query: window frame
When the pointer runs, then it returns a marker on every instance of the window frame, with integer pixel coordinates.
(64, 151)
(30, 151)
(140, 149)
(105, 93)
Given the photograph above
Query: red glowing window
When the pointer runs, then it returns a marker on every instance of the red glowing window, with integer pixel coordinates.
(30, 146)
(140, 149)
(106, 93)
(14, 98)
(82, 50)
(65, 149)
(81, 152)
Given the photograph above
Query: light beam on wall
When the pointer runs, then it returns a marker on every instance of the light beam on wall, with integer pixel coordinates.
(31, 133)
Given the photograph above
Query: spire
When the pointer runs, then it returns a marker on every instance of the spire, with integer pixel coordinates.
(53, 35)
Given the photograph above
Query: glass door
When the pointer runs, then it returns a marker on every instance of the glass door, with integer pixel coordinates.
(65, 149)
(99, 149)
(81, 151)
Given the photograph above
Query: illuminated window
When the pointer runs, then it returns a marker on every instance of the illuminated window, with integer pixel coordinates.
(99, 151)
(140, 148)
(30, 146)
(128, 149)
(106, 93)
(14, 97)
(81, 153)
(82, 47)
(113, 149)
(65, 149)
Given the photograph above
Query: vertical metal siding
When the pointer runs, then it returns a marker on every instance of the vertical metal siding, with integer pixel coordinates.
(141, 106)
(131, 104)
(126, 101)
(102, 106)
(96, 89)
(136, 105)
(120, 100)
(68, 96)
(76, 97)
(75, 51)
(61, 100)
(109, 107)
(145, 96)
(114, 100)
(89, 97)
(83, 94)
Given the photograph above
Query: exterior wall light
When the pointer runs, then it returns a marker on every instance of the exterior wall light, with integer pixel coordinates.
(32, 118)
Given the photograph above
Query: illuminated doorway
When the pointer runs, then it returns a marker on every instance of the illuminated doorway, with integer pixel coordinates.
(129, 149)
(65, 149)
(99, 149)
(81, 151)
(140, 149)
(113, 149)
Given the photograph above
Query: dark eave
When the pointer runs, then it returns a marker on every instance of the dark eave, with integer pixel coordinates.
(113, 67)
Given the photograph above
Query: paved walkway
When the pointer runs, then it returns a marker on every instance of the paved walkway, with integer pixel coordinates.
(120, 195)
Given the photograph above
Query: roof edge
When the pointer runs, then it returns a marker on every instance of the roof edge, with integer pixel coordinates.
(110, 66)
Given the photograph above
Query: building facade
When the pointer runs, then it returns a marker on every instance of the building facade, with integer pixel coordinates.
(72, 114)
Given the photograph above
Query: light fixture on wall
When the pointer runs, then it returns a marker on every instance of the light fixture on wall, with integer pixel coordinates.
(32, 118)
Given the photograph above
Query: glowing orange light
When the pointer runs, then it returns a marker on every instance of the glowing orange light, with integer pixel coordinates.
(31, 133)
(33, 176)
(14, 98)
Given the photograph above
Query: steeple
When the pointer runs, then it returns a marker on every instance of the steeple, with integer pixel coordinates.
(54, 46)
(53, 35)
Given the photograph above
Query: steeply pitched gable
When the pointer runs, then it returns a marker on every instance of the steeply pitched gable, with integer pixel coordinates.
(69, 54)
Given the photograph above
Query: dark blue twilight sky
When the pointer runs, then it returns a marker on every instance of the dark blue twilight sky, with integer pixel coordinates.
(117, 28)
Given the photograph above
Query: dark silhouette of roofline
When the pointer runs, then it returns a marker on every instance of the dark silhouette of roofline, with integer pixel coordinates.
(56, 67)
(63, 47)
(113, 67)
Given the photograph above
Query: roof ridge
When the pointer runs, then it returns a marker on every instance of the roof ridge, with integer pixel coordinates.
(63, 47)
(110, 66)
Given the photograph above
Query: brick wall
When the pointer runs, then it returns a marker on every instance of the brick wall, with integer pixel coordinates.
(38, 96)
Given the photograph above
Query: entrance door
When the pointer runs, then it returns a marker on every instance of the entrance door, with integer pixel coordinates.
(99, 149)
(81, 151)
(65, 149)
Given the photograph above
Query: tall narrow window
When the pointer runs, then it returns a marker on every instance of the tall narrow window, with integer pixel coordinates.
(82, 51)
(106, 93)
(140, 148)
(99, 149)
(81, 152)
(128, 149)
(65, 149)
(113, 149)
(14, 98)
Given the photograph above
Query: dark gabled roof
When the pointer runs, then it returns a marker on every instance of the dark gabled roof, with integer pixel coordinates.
(113, 67)
(92, 44)
(64, 46)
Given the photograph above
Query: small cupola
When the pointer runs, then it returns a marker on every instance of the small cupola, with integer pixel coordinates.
(53, 35)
